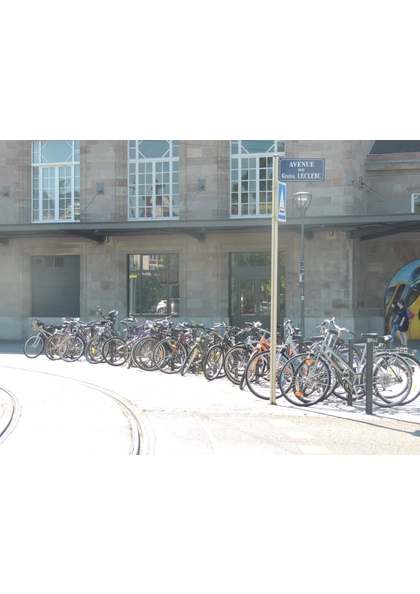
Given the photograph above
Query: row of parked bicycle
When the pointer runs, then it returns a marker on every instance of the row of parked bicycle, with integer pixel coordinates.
(307, 371)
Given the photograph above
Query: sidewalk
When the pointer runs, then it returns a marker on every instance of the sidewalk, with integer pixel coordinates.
(193, 393)
(185, 415)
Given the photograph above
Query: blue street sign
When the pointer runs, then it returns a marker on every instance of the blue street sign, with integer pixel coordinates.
(298, 170)
(282, 196)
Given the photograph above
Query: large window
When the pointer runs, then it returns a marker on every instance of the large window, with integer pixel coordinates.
(251, 173)
(55, 180)
(153, 284)
(153, 179)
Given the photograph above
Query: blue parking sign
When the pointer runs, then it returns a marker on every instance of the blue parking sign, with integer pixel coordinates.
(282, 196)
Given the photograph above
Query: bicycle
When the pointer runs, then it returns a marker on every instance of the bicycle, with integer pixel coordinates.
(410, 356)
(103, 330)
(195, 358)
(58, 339)
(169, 354)
(237, 357)
(309, 378)
(34, 346)
(72, 342)
(214, 358)
(142, 350)
(262, 346)
(116, 350)
(258, 370)
(381, 344)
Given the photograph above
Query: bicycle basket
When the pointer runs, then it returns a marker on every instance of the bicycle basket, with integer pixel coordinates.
(36, 325)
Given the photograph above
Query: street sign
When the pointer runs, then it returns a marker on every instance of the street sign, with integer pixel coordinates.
(295, 170)
(282, 196)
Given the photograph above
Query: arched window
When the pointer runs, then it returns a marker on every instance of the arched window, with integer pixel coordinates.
(153, 179)
(251, 176)
(55, 180)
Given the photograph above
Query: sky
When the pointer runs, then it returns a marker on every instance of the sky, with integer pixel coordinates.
(168, 70)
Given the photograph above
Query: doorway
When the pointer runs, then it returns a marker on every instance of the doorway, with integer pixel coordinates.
(250, 288)
(55, 286)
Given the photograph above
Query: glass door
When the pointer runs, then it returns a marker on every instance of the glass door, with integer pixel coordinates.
(250, 289)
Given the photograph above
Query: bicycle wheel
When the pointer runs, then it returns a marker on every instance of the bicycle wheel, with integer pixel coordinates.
(142, 353)
(287, 371)
(115, 351)
(34, 346)
(305, 380)
(71, 348)
(415, 370)
(93, 350)
(51, 346)
(358, 387)
(235, 362)
(251, 368)
(258, 375)
(392, 380)
(191, 357)
(213, 362)
(169, 356)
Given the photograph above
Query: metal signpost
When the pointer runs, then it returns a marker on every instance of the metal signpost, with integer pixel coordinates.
(278, 214)
(286, 170)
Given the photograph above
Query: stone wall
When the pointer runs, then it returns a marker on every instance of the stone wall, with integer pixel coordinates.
(394, 177)
(335, 196)
(207, 161)
(344, 278)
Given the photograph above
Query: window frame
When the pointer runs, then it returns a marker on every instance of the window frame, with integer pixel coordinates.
(240, 154)
(140, 167)
(415, 201)
(58, 170)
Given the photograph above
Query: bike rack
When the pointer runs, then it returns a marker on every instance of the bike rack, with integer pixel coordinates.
(369, 376)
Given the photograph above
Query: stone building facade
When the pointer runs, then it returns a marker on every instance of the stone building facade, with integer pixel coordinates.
(361, 228)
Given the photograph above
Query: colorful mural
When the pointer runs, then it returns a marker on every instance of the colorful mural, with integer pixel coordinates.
(405, 284)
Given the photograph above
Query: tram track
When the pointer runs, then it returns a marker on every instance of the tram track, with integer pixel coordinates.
(141, 443)
(11, 413)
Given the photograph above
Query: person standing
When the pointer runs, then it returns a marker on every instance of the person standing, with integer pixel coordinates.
(394, 320)
(403, 322)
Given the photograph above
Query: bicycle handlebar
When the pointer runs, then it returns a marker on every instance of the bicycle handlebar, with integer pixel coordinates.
(333, 323)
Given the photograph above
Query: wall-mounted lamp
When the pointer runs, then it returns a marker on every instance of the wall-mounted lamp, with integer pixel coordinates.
(100, 189)
(201, 185)
(6, 191)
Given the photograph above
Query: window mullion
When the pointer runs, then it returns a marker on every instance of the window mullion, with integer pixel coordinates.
(154, 190)
(171, 183)
(72, 189)
(40, 194)
(257, 183)
(136, 198)
(239, 184)
(57, 193)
